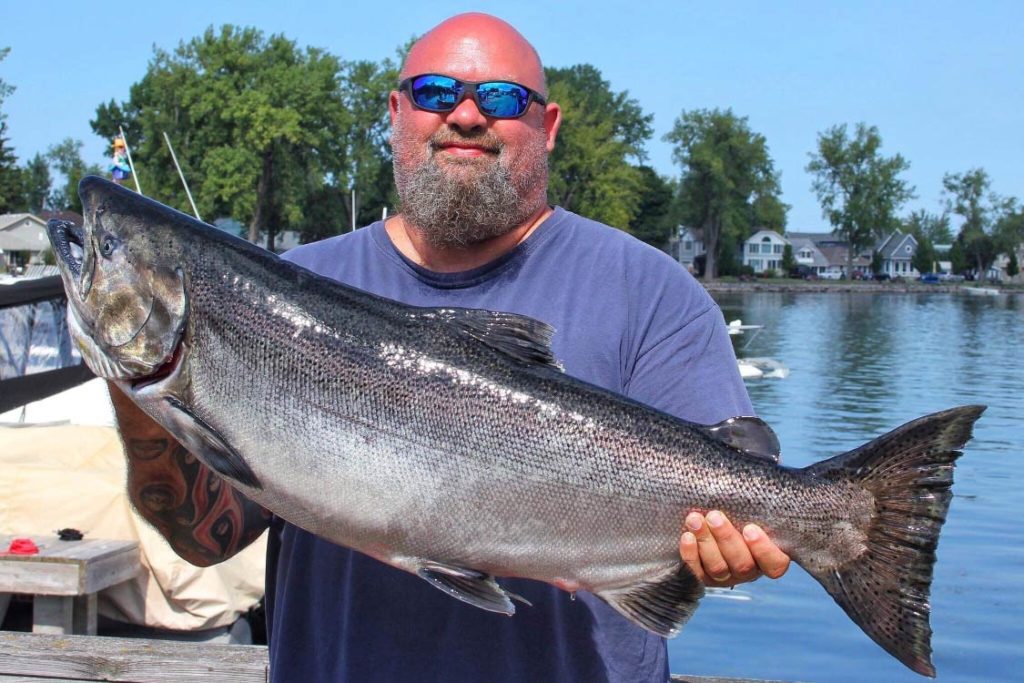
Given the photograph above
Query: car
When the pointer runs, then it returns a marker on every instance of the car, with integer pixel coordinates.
(930, 278)
(882, 277)
(950, 277)
(830, 275)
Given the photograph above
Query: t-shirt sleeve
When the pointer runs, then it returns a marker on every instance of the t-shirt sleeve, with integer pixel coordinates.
(682, 360)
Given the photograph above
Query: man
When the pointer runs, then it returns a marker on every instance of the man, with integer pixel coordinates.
(471, 133)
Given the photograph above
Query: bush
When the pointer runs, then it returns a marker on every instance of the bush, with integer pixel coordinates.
(769, 274)
(747, 270)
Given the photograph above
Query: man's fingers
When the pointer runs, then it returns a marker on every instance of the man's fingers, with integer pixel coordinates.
(688, 551)
(733, 548)
(715, 566)
(771, 561)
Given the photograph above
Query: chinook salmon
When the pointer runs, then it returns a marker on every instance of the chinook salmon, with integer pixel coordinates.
(447, 443)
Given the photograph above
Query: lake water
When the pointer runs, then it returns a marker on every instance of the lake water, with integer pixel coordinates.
(862, 364)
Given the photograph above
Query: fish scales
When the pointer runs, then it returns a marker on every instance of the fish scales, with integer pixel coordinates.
(446, 442)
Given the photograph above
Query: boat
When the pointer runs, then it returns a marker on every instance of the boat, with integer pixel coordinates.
(981, 291)
(756, 368)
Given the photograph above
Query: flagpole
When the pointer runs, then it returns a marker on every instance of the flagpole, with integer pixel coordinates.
(181, 175)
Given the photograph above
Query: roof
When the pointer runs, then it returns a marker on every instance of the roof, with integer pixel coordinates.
(12, 242)
(892, 246)
(761, 234)
(800, 243)
(815, 237)
(72, 216)
(8, 220)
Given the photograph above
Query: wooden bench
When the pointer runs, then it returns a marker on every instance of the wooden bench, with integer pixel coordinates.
(64, 579)
(37, 658)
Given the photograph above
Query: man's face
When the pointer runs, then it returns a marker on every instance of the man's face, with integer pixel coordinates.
(464, 177)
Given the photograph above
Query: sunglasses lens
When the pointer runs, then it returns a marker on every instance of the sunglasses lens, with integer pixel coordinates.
(436, 93)
(502, 99)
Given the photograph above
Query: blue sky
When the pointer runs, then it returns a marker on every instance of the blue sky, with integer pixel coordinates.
(943, 81)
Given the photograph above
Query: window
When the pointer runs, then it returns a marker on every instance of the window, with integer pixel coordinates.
(753, 248)
(688, 245)
(776, 248)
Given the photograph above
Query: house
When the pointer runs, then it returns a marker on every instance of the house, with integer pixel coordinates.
(807, 254)
(686, 246)
(762, 251)
(22, 239)
(897, 251)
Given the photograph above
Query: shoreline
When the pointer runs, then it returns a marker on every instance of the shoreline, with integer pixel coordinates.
(830, 286)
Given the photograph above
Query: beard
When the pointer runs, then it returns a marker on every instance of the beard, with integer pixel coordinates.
(458, 202)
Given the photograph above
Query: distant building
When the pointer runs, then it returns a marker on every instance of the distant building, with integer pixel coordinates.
(807, 254)
(686, 245)
(762, 251)
(22, 240)
(897, 252)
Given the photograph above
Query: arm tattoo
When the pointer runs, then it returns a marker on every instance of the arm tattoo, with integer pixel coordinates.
(203, 518)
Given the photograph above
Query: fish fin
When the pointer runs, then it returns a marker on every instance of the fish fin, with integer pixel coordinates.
(525, 339)
(909, 471)
(749, 434)
(213, 448)
(470, 585)
(661, 606)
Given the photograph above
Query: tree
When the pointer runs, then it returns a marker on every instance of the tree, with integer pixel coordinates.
(923, 225)
(37, 183)
(957, 257)
(789, 263)
(729, 186)
(859, 189)
(968, 196)
(602, 133)
(1012, 267)
(653, 221)
(924, 256)
(66, 157)
(257, 125)
(10, 175)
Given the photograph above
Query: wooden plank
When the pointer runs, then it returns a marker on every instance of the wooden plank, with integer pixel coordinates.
(39, 578)
(111, 569)
(85, 618)
(91, 658)
(69, 567)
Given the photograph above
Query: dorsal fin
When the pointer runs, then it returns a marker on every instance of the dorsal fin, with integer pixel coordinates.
(751, 435)
(525, 339)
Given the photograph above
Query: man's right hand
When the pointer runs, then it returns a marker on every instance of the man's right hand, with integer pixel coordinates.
(204, 519)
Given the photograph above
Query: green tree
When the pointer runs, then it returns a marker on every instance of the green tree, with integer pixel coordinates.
(11, 188)
(933, 227)
(66, 158)
(788, 260)
(37, 183)
(729, 186)
(968, 196)
(958, 262)
(924, 256)
(1012, 267)
(593, 167)
(257, 125)
(860, 190)
(653, 221)
(876, 261)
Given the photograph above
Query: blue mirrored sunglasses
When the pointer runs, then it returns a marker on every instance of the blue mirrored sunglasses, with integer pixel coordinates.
(497, 99)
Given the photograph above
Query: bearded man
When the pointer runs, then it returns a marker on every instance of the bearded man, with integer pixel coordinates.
(472, 129)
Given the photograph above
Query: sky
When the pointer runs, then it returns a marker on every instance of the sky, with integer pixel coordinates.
(942, 81)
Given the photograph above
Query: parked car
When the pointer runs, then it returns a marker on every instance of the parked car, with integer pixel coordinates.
(882, 277)
(930, 278)
(830, 275)
(950, 277)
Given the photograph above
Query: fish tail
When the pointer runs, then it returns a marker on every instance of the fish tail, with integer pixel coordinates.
(909, 471)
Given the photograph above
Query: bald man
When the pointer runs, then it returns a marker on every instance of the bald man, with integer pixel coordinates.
(472, 130)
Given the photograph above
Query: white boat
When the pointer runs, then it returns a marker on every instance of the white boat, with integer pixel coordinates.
(756, 368)
(981, 291)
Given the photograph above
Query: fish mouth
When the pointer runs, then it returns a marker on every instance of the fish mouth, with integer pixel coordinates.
(68, 242)
(169, 368)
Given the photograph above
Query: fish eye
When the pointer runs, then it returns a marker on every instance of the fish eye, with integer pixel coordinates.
(108, 245)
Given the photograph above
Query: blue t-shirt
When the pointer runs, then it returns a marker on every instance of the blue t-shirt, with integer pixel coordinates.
(627, 318)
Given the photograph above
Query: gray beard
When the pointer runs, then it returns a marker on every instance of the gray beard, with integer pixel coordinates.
(452, 212)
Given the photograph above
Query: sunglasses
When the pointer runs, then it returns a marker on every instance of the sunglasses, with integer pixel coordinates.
(497, 99)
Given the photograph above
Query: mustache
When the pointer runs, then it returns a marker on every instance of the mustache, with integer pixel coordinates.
(484, 139)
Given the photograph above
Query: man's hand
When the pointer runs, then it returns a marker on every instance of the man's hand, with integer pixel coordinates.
(720, 556)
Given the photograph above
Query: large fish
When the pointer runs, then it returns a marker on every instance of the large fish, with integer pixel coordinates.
(446, 442)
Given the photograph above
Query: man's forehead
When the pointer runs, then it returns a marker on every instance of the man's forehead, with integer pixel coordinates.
(476, 53)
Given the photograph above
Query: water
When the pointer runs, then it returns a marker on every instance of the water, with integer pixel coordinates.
(860, 365)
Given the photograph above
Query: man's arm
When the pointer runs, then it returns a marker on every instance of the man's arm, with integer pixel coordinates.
(204, 519)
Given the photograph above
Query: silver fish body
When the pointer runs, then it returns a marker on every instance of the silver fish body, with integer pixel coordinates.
(447, 443)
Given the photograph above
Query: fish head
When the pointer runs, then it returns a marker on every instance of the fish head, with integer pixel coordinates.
(127, 302)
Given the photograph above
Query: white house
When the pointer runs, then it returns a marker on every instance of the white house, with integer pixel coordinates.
(897, 251)
(687, 246)
(763, 251)
(22, 239)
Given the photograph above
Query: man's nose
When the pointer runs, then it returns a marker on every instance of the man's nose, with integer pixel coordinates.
(466, 116)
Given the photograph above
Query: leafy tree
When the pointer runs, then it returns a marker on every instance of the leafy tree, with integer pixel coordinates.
(729, 186)
(257, 125)
(860, 190)
(876, 262)
(10, 176)
(788, 260)
(66, 157)
(653, 221)
(602, 133)
(37, 183)
(958, 262)
(1012, 267)
(986, 230)
(924, 256)
(923, 225)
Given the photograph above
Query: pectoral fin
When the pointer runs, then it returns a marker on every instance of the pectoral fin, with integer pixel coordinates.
(207, 443)
(661, 606)
(469, 585)
(751, 435)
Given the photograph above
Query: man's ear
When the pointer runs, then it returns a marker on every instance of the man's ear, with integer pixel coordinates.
(393, 106)
(552, 122)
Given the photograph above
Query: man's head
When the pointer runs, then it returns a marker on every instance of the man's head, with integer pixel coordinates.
(464, 177)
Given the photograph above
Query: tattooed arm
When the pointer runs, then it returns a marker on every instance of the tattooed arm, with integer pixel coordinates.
(204, 519)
